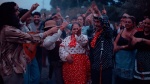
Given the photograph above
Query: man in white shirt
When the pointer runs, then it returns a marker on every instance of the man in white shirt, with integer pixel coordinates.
(51, 43)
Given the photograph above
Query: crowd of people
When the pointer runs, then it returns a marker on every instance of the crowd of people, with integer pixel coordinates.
(85, 49)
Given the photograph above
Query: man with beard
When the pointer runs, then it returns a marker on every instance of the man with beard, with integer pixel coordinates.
(13, 59)
(101, 50)
(36, 22)
(35, 27)
(32, 74)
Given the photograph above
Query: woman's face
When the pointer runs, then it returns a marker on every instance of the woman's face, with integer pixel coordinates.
(128, 23)
(17, 10)
(75, 28)
(80, 20)
(147, 25)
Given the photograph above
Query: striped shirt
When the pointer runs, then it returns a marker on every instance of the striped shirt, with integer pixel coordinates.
(12, 56)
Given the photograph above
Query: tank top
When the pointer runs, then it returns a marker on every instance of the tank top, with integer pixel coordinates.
(122, 41)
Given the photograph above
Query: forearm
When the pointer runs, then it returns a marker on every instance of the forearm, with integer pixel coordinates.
(123, 47)
(146, 41)
(25, 16)
(50, 40)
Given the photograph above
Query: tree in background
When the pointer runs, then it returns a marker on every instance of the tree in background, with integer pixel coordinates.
(114, 9)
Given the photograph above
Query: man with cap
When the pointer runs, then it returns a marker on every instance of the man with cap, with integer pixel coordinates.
(51, 43)
(67, 18)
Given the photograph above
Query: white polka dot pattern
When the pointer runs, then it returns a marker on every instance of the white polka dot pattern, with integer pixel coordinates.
(65, 50)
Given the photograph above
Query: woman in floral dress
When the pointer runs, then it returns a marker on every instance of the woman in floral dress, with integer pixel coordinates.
(76, 67)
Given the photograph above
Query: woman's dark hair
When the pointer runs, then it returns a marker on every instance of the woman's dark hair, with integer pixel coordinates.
(75, 23)
(133, 19)
(8, 16)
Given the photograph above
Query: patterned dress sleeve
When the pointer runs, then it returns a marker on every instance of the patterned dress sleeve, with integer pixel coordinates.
(82, 39)
(62, 51)
(15, 35)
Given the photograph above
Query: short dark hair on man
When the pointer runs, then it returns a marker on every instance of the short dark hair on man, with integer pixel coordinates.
(36, 13)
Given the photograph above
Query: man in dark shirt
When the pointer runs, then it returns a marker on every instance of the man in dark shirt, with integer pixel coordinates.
(101, 51)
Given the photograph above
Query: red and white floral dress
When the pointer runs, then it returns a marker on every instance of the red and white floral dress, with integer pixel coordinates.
(77, 72)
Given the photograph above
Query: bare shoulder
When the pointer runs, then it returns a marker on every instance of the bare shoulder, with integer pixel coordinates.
(134, 31)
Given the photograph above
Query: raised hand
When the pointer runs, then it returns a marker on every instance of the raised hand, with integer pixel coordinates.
(63, 26)
(57, 9)
(34, 6)
(95, 9)
(89, 19)
(89, 11)
(52, 30)
(27, 14)
(57, 16)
